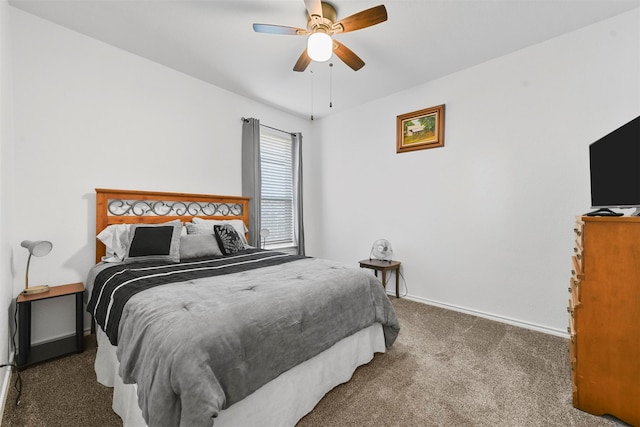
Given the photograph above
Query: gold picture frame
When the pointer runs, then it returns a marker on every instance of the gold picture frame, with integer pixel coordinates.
(420, 129)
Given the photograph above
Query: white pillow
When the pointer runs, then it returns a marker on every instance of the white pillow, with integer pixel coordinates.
(116, 238)
(238, 224)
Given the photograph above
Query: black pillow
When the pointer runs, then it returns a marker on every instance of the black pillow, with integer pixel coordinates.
(150, 242)
(228, 239)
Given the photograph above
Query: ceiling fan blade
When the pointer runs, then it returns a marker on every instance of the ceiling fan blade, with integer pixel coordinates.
(279, 29)
(314, 7)
(363, 19)
(347, 56)
(303, 62)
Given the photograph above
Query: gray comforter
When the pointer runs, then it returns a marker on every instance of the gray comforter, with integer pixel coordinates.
(197, 347)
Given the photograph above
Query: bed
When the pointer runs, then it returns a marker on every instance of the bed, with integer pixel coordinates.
(192, 335)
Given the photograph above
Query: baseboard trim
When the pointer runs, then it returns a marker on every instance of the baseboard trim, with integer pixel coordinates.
(501, 319)
(4, 391)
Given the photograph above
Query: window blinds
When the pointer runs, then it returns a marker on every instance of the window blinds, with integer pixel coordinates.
(277, 187)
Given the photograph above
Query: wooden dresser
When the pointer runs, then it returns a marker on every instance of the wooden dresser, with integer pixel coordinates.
(604, 317)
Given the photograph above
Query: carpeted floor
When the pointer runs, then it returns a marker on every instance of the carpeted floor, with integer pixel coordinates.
(61, 393)
(445, 369)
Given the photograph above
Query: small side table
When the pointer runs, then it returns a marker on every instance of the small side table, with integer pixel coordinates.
(384, 266)
(28, 355)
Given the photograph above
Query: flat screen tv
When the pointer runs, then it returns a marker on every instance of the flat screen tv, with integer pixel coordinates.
(615, 170)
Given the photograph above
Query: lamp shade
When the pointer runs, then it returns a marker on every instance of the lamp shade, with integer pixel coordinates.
(319, 46)
(264, 233)
(37, 247)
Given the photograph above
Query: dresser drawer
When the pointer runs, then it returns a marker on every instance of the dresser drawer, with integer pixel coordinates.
(574, 288)
(577, 253)
(571, 329)
(572, 351)
(573, 361)
(573, 301)
(578, 231)
(577, 247)
(576, 268)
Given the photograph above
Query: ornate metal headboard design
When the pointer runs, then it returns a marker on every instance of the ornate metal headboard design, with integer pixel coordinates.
(152, 207)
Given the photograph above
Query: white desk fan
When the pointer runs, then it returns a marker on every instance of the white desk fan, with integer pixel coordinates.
(381, 250)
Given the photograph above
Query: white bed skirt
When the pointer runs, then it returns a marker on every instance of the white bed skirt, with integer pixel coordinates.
(279, 403)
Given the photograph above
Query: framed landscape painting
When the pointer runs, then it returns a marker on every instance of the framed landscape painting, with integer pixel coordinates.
(420, 129)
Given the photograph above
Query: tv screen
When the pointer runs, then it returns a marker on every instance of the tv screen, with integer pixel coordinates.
(615, 168)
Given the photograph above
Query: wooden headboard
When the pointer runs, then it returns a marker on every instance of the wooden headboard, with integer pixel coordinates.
(152, 207)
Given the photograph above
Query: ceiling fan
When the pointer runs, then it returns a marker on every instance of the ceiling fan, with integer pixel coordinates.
(321, 26)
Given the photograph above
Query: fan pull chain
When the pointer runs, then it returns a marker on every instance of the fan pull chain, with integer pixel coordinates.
(331, 85)
(311, 71)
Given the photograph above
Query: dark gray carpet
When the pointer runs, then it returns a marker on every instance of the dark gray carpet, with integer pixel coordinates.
(446, 369)
(453, 369)
(61, 393)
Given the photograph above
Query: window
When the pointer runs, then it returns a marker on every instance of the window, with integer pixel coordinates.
(276, 163)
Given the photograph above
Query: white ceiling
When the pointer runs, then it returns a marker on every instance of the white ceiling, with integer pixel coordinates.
(422, 40)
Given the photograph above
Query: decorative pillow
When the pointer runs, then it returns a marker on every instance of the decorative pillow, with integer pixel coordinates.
(116, 239)
(199, 228)
(228, 239)
(238, 224)
(154, 242)
(199, 245)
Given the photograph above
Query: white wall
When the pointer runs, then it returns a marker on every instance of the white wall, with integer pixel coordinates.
(6, 154)
(90, 115)
(483, 224)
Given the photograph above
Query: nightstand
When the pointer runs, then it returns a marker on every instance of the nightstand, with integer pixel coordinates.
(28, 355)
(384, 266)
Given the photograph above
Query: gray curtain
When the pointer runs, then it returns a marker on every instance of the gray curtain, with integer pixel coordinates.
(251, 175)
(298, 227)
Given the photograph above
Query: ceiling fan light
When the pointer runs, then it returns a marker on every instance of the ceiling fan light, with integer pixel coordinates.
(319, 47)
